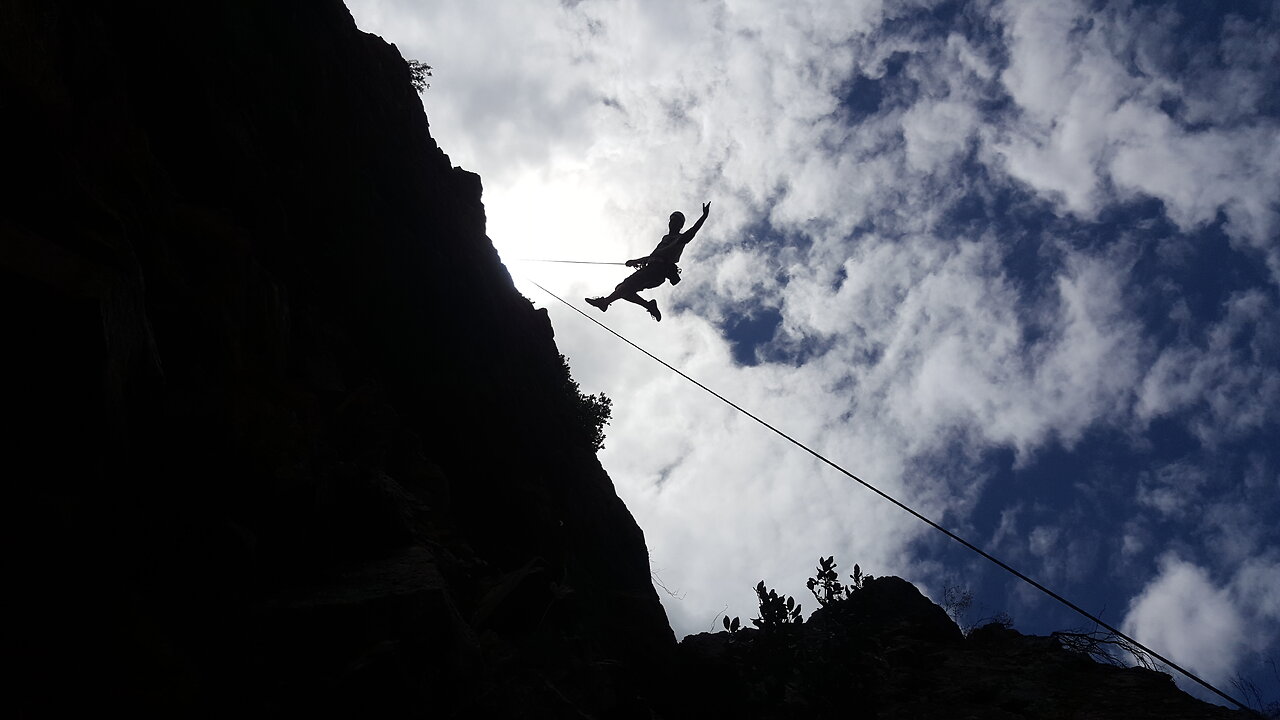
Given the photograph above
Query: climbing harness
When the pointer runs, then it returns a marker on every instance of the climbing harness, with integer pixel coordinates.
(922, 518)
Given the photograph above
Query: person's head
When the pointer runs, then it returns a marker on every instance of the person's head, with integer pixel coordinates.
(677, 221)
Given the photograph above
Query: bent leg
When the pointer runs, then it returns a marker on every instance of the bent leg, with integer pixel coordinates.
(639, 280)
(619, 292)
(650, 305)
(642, 279)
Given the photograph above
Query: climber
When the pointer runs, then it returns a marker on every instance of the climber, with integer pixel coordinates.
(655, 267)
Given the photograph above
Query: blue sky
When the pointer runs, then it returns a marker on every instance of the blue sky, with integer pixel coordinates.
(1017, 264)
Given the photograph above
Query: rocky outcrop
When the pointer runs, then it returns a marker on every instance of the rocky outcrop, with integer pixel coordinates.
(284, 436)
(888, 652)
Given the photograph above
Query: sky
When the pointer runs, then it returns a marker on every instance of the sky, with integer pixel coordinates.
(1015, 264)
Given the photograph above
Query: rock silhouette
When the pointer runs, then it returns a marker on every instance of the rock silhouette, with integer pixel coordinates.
(269, 457)
(888, 652)
(283, 438)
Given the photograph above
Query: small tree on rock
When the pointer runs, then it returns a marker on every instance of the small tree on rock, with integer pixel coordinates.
(775, 611)
(418, 74)
(826, 586)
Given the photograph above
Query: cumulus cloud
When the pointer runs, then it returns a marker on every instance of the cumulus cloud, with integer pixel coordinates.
(1227, 376)
(921, 201)
(1209, 627)
(1093, 89)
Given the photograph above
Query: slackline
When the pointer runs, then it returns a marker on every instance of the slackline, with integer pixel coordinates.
(1090, 616)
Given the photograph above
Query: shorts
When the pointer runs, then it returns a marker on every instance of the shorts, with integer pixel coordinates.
(653, 274)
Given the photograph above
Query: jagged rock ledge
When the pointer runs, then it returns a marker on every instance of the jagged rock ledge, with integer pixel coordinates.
(888, 652)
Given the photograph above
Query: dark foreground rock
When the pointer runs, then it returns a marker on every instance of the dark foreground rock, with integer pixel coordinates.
(888, 652)
(283, 437)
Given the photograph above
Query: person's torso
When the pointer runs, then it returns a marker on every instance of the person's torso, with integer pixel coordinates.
(669, 249)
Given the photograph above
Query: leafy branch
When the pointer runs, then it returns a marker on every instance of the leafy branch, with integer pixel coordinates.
(590, 412)
(775, 611)
(731, 626)
(418, 74)
(826, 586)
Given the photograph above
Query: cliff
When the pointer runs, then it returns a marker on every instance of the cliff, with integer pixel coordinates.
(282, 438)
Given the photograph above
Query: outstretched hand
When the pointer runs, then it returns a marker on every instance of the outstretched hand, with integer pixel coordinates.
(632, 263)
(706, 207)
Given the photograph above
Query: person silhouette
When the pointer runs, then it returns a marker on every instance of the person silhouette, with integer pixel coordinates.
(655, 267)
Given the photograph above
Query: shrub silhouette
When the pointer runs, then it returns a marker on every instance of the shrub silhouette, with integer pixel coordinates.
(590, 413)
(780, 671)
(826, 586)
(418, 74)
(775, 612)
(957, 600)
(1106, 648)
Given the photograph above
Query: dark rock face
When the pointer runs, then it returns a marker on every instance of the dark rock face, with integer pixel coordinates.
(888, 652)
(283, 436)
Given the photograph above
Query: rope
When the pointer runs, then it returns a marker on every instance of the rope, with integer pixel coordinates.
(571, 262)
(917, 515)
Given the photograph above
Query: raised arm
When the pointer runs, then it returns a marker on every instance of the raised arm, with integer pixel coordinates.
(668, 241)
(686, 237)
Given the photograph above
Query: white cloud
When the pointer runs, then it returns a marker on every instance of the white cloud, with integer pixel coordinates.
(1228, 377)
(1173, 490)
(902, 335)
(1089, 85)
(1210, 628)
(936, 132)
